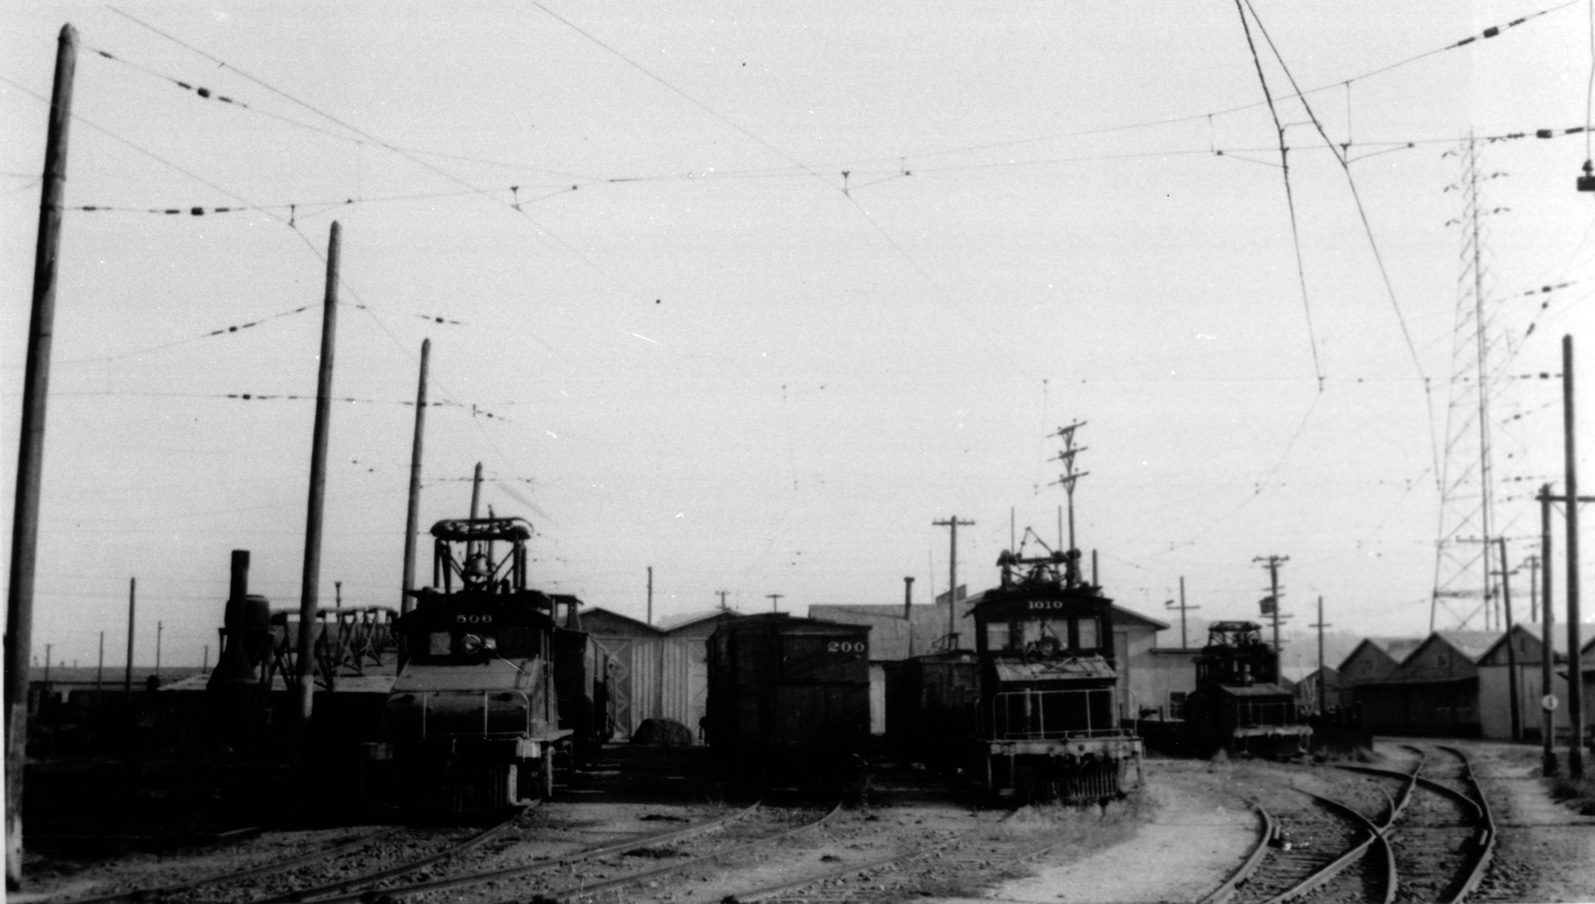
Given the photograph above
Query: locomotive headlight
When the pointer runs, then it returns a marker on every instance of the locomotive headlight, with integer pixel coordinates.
(471, 644)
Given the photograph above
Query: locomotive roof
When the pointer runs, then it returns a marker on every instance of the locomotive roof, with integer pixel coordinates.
(1070, 668)
(482, 529)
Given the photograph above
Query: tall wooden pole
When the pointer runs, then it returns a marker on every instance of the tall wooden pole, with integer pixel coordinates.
(1511, 648)
(309, 587)
(412, 515)
(1548, 765)
(952, 580)
(30, 453)
(1575, 677)
(132, 623)
(650, 594)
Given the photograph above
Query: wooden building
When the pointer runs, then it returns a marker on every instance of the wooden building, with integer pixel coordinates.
(1495, 680)
(1433, 692)
(1373, 660)
(660, 671)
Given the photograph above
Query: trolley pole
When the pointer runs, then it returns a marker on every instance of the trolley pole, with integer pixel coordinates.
(952, 580)
(310, 585)
(1575, 673)
(30, 453)
(412, 515)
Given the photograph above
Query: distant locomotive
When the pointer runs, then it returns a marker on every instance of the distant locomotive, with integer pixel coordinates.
(1239, 703)
(788, 696)
(1034, 711)
(496, 680)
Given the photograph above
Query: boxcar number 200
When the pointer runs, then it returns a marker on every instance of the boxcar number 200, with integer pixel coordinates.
(845, 646)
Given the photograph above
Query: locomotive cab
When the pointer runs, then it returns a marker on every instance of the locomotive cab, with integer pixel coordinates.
(1048, 719)
(493, 676)
(1238, 702)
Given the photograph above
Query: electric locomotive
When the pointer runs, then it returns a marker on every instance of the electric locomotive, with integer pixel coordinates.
(496, 680)
(1239, 704)
(1047, 725)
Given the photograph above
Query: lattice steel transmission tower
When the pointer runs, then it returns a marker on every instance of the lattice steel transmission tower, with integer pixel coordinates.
(1463, 584)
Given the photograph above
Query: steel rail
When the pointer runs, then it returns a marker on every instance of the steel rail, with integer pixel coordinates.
(341, 885)
(543, 865)
(590, 887)
(1484, 845)
(1351, 855)
(1269, 829)
(275, 866)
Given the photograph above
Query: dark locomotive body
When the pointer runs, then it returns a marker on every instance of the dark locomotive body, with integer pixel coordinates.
(1238, 704)
(496, 681)
(788, 697)
(1033, 712)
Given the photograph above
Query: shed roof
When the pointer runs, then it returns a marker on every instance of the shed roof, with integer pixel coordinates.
(1472, 644)
(1396, 649)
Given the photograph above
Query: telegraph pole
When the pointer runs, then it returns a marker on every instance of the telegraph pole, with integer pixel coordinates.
(412, 515)
(1273, 563)
(1511, 648)
(309, 587)
(30, 453)
(1070, 476)
(1575, 672)
(952, 585)
(650, 594)
(722, 594)
(1548, 766)
(1323, 704)
(775, 601)
(1170, 605)
(908, 617)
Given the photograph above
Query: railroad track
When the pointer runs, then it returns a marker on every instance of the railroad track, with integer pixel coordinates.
(530, 880)
(1322, 848)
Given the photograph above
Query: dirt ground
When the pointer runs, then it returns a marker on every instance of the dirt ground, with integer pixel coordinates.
(1187, 833)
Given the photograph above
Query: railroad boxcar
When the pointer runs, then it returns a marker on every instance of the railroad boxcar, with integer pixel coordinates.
(495, 680)
(1239, 704)
(932, 708)
(1047, 725)
(787, 695)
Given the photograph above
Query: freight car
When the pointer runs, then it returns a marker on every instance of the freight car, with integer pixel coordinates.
(1033, 713)
(788, 697)
(495, 682)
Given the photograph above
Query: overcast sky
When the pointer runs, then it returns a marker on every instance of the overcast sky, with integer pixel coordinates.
(753, 293)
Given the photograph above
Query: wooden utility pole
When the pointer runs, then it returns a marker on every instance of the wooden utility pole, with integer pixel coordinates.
(412, 516)
(160, 628)
(650, 594)
(1273, 563)
(952, 580)
(775, 601)
(309, 586)
(1323, 695)
(722, 594)
(908, 612)
(1548, 764)
(30, 453)
(132, 620)
(476, 490)
(1575, 674)
(1170, 604)
(1511, 648)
